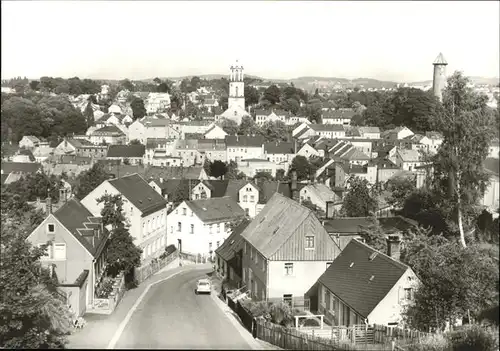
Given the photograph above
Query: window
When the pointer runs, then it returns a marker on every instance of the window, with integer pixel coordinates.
(51, 228)
(184, 211)
(192, 229)
(252, 198)
(179, 226)
(211, 228)
(247, 211)
(209, 247)
(408, 294)
(287, 298)
(245, 198)
(309, 242)
(60, 251)
(218, 243)
(218, 227)
(288, 268)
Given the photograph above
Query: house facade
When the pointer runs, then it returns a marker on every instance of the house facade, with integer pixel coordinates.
(285, 250)
(110, 135)
(144, 208)
(76, 251)
(241, 147)
(29, 142)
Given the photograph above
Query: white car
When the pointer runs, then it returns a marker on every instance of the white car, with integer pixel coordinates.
(203, 286)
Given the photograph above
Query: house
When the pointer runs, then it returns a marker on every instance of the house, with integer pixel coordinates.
(13, 171)
(199, 227)
(397, 133)
(188, 127)
(111, 135)
(299, 129)
(263, 116)
(281, 153)
(365, 286)
(156, 102)
(29, 142)
(286, 249)
(307, 151)
(228, 256)
(41, 153)
(76, 251)
(251, 166)
(318, 194)
(370, 132)
(187, 150)
(215, 132)
(339, 117)
(408, 159)
(132, 154)
(331, 131)
(493, 149)
(491, 195)
(386, 169)
(207, 189)
(80, 147)
(23, 155)
(144, 208)
(244, 147)
(212, 149)
(292, 120)
(346, 152)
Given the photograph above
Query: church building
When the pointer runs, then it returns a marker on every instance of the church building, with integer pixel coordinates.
(236, 100)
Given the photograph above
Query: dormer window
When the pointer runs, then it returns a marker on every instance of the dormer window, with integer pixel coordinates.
(51, 228)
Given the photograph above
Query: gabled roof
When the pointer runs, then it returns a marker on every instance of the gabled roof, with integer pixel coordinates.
(112, 129)
(434, 135)
(139, 193)
(170, 186)
(409, 155)
(327, 127)
(233, 243)
(262, 112)
(32, 138)
(153, 143)
(355, 154)
(369, 129)
(127, 151)
(338, 114)
(79, 221)
(275, 224)
(80, 143)
(383, 163)
(21, 167)
(359, 281)
(354, 225)
(267, 188)
(322, 191)
(244, 141)
(279, 148)
(216, 209)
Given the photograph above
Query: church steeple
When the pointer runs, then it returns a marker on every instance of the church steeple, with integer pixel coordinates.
(236, 72)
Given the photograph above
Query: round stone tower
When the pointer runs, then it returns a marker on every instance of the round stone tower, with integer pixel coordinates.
(439, 78)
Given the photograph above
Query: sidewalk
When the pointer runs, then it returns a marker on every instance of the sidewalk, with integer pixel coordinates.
(100, 328)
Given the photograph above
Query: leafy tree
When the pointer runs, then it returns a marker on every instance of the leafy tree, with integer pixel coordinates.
(122, 254)
(275, 131)
(185, 86)
(138, 109)
(206, 166)
(313, 110)
(191, 110)
(218, 169)
(88, 113)
(31, 314)
(401, 188)
(61, 117)
(248, 127)
(360, 200)
(272, 94)
(442, 297)
(228, 125)
(252, 96)
(176, 102)
(415, 108)
(89, 180)
(135, 142)
(263, 175)
(157, 80)
(37, 185)
(280, 174)
(223, 101)
(291, 105)
(164, 87)
(34, 85)
(374, 234)
(195, 83)
(459, 178)
(232, 171)
(127, 85)
(303, 168)
(23, 117)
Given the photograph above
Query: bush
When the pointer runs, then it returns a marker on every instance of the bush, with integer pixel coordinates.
(434, 342)
(475, 338)
(105, 288)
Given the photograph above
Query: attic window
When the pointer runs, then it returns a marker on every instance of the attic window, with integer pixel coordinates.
(372, 277)
(352, 264)
(373, 255)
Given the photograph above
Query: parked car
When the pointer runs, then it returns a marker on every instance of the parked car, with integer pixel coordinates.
(203, 287)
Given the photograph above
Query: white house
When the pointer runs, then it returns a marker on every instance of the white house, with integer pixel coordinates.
(201, 226)
(281, 153)
(330, 131)
(215, 132)
(144, 208)
(340, 117)
(307, 151)
(244, 147)
(408, 159)
(251, 166)
(29, 142)
(369, 132)
(318, 194)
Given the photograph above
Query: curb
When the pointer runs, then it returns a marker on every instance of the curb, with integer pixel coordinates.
(123, 324)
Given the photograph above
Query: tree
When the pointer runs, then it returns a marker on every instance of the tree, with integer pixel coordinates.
(415, 109)
(122, 254)
(374, 235)
(232, 171)
(34, 85)
(206, 166)
(157, 80)
(263, 175)
(138, 109)
(252, 96)
(60, 117)
(164, 87)
(89, 180)
(280, 174)
(272, 94)
(223, 101)
(248, 127)
(31, 314)
(459, 177)
(37, 185)
(218, 169)
(135, 142)
(360, 200)
(303, 168)
(88, 113)
(126, 84)
(275, 131)
(401, 188)
(228, 125)
(23, 117)
(191, 110)
(442, 297)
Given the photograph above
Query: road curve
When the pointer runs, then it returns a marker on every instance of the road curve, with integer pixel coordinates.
(172, 316)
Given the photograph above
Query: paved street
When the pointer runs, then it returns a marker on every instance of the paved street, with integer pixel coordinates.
(172, 316)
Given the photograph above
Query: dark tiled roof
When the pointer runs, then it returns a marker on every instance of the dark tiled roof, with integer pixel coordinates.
(139, 193)
(233, 243)
(153, 143)
(109, 130)
(279, 148)
(126, 151)
(244, 141)
(275, 224)
(352, 284)
(22, 167)
(353, 225)
(338, 114)
(27, 153)
(216, 209)
(170, 186)
(78, 220)
(327, 127)
(193, 135)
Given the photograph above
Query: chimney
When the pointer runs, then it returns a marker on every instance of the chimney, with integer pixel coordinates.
(161, 180)
(394, 247)
(330, 210)
(48, 204)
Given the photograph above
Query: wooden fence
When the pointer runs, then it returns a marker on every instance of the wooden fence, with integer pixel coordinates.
(144, 272)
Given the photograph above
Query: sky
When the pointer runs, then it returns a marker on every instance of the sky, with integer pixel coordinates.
(396, 41)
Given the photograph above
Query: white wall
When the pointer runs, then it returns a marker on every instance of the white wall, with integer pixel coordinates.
(238, 153)
(305, 274)
(248, 197)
